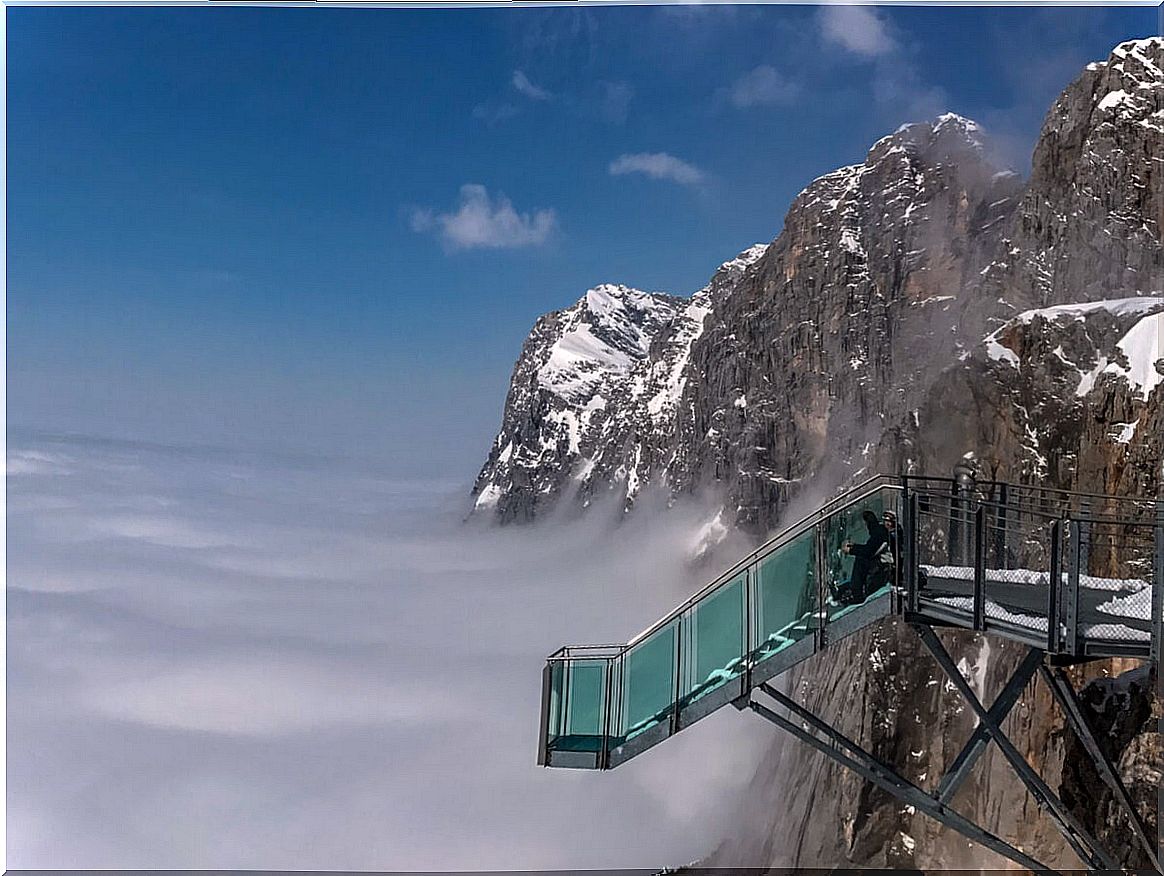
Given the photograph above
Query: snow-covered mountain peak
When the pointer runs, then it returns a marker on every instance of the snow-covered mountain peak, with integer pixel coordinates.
(947, 137)
(605, 332)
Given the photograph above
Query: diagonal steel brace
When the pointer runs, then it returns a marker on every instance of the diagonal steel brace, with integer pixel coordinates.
(975, 746)
(848, 754)
(1084, 845)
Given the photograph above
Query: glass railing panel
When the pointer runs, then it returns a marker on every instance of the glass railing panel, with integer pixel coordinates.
(860, 551)
(784, 596)
(582, 705)
(713, 641)
(647, 682)
(555, 720)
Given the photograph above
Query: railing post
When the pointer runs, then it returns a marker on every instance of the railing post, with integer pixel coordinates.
(1158, 596)
(980, 568)
(1000, 528)
(1084, 536)
(820, 531)
(544, 734)
(678, 686)
(1054, 589)
(906, 575)
(604, 761)
(1071, 591)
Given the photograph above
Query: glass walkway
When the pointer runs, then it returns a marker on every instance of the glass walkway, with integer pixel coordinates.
(1069, 574)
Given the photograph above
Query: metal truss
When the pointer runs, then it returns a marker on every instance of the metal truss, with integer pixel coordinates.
(815, 732)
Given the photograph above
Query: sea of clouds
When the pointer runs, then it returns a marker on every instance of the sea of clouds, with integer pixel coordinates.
(225, 660)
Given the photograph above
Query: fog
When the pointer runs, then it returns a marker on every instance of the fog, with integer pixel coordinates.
(221, 660)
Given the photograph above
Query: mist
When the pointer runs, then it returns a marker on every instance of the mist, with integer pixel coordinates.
(227, 660)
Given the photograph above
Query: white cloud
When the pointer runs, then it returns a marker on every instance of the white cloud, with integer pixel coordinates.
(522, 83)
(857, 28)
(481, 222)
(763, 86)
(658, 165)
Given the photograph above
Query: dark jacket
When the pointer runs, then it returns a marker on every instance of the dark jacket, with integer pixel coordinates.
(878, 536)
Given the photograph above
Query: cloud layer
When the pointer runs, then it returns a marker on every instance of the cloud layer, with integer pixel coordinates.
(482, 222)
(225, 662)
(658, 165)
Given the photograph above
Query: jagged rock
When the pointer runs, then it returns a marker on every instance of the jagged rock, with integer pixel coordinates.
(1123, 714)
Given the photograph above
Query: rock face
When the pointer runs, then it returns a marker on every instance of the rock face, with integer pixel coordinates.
(917, 307)
(596, 395)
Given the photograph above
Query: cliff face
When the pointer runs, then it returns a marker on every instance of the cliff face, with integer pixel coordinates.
(1050, 397)
(596, 398)
(917, 307)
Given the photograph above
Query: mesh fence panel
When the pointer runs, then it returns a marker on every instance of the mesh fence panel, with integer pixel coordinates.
(1116, 570)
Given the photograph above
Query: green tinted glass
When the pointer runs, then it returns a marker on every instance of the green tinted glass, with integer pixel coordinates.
(713, 639)
(557, 692)
(847, 583)
(585, 698)
(785, 595)
(648, 681)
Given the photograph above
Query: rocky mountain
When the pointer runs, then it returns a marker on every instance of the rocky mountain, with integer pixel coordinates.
(595, 397)
(783, 359)
(916, 307)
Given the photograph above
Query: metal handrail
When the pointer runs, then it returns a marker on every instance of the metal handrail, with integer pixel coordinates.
(1018, 503)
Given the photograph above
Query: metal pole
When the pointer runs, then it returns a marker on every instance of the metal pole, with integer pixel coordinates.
(980, 568)
(1071, 592)
(1054, 589)
(544, 732)
(910, 564)
(677, 686)
(822, 584)
(1000, 530)
(749, 613)
(604, 762)
(1084, 536)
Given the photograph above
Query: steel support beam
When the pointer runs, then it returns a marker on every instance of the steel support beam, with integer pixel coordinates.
(1064, 692)
(909, 563)
(851, 756)
(1084, 845)
(975, 746)
(1055, 590)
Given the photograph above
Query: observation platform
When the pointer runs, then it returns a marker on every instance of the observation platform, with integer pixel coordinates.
(1073, 576)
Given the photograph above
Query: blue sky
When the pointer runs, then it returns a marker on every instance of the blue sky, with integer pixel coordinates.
(328, 231)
